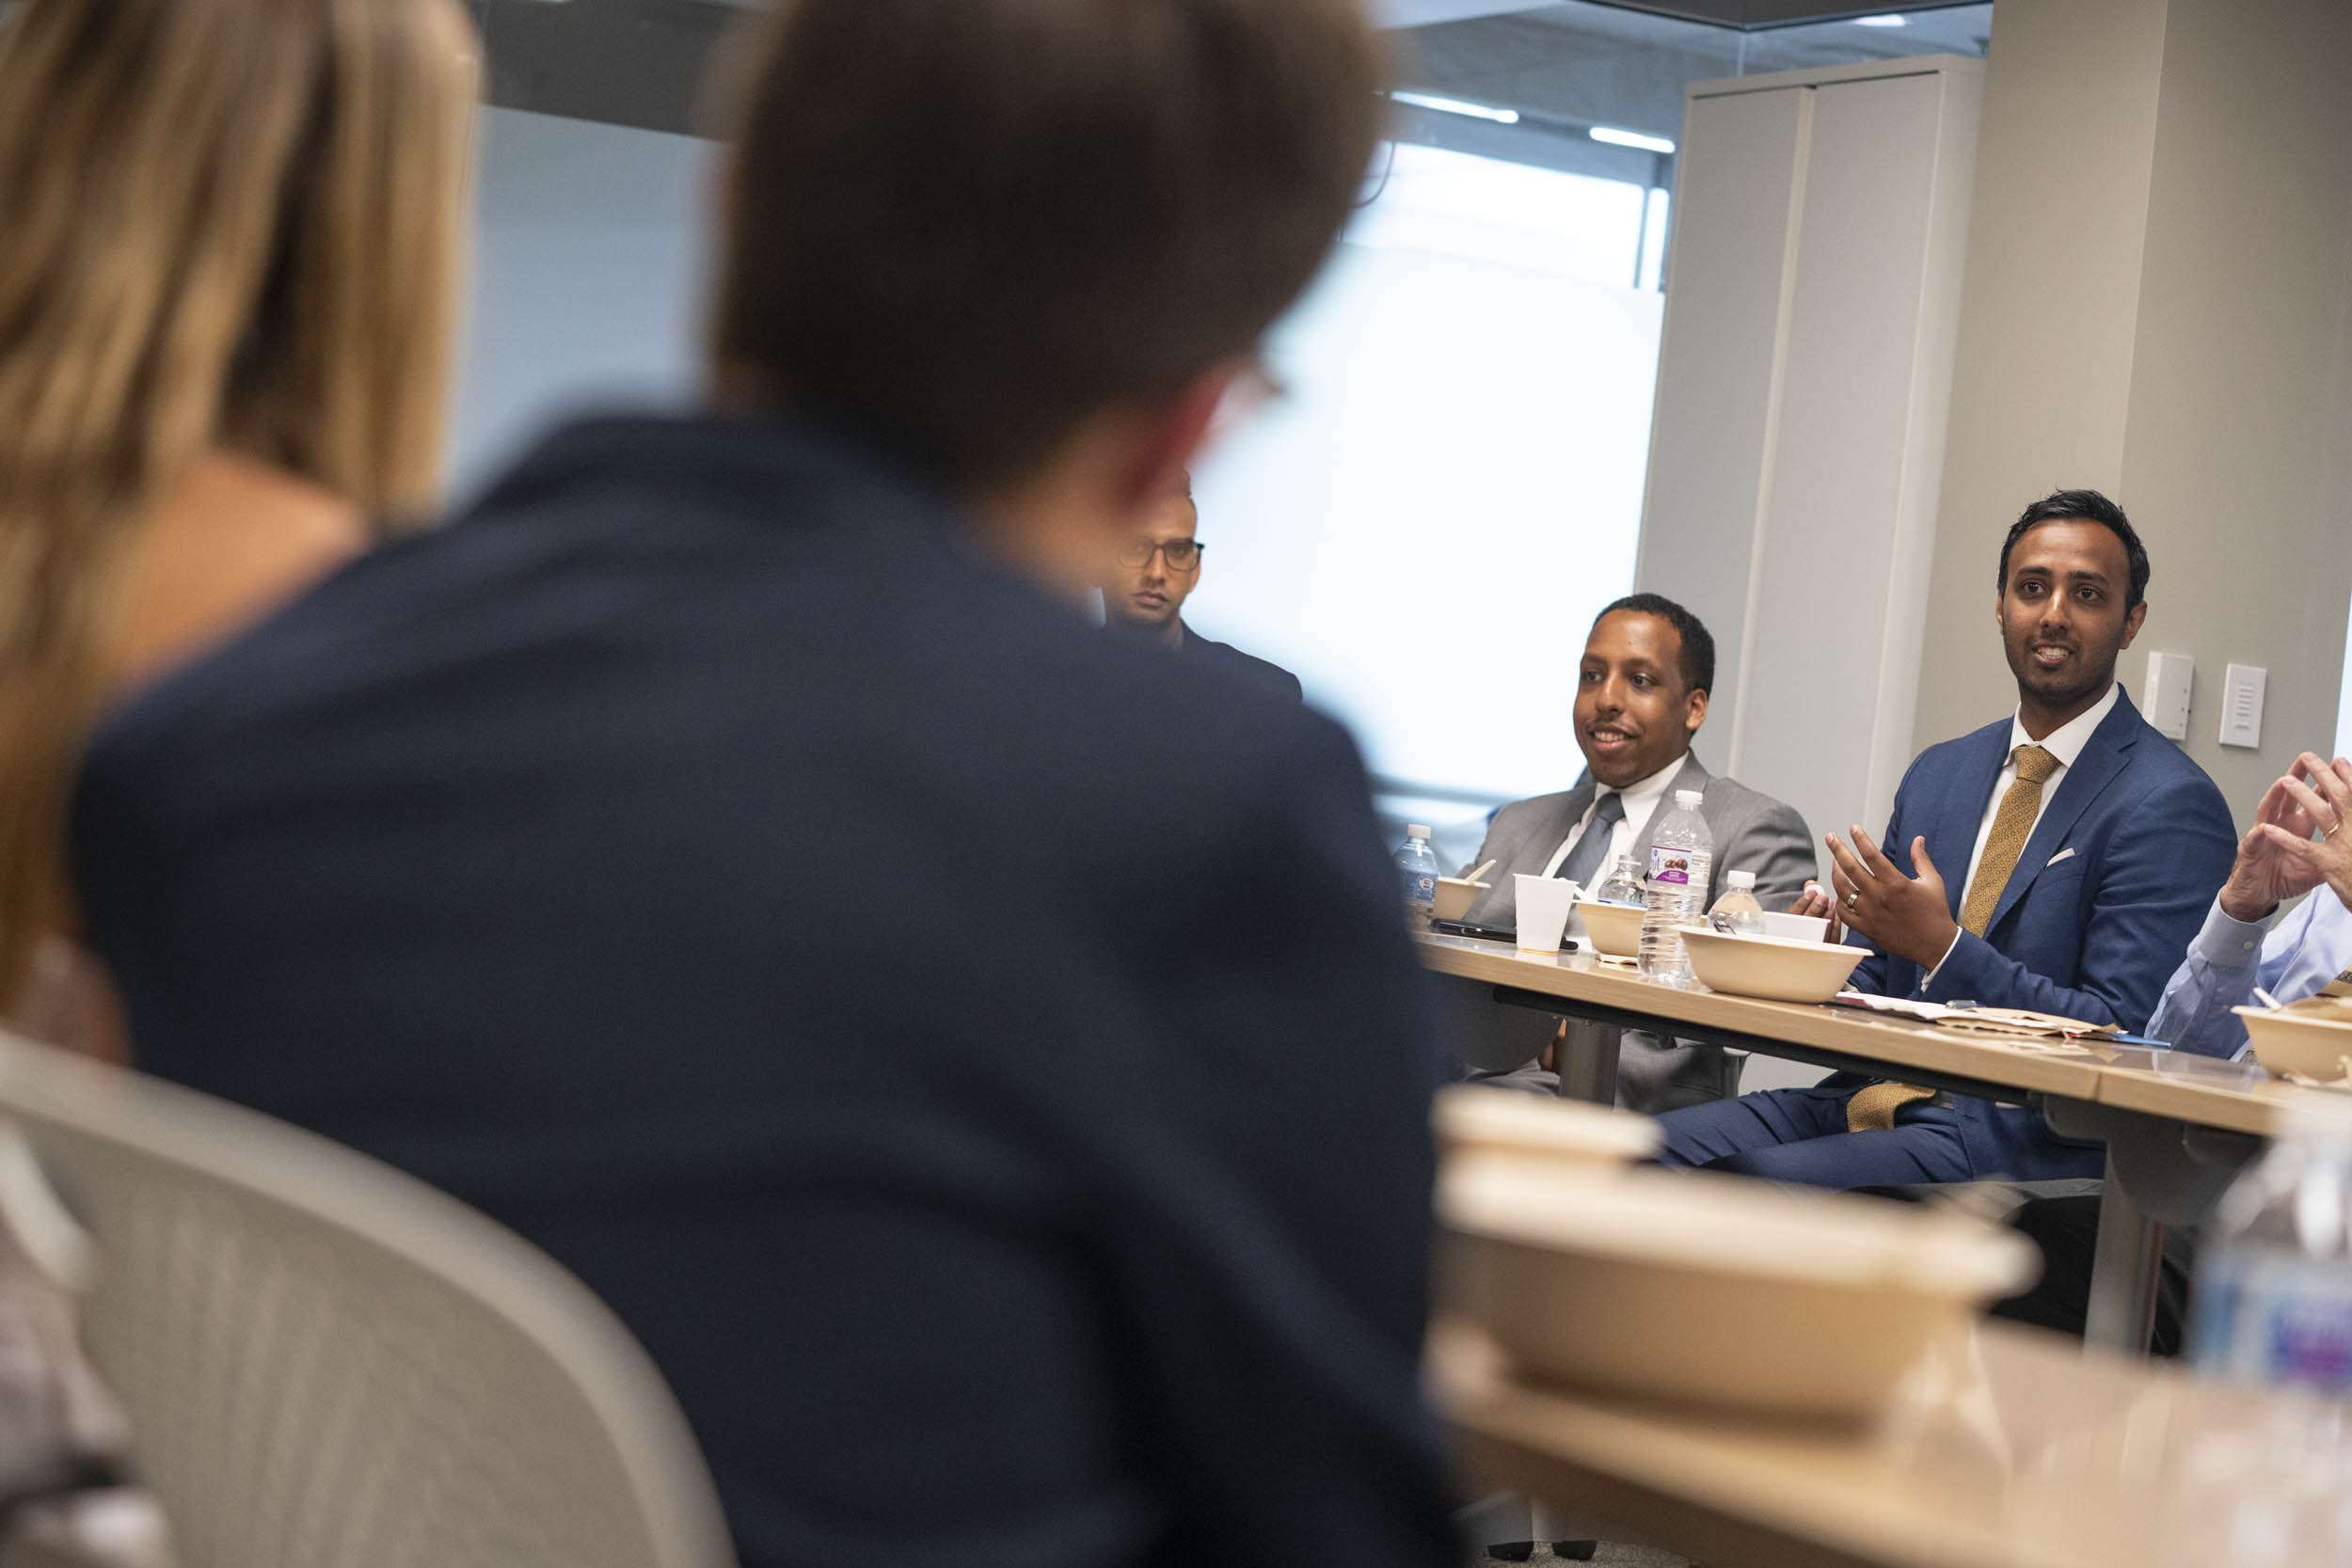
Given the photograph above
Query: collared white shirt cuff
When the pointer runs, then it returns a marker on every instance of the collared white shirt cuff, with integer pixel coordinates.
(2228, 943)
(1928, 978)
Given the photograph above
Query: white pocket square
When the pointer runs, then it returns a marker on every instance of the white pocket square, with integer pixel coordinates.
(2063, 854)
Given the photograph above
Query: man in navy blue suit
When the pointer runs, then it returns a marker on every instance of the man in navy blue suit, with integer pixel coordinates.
(981, 1060)
(2082, 847)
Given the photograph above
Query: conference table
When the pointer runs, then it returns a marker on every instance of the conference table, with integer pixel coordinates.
(2011, 1448)
(2177, 1127)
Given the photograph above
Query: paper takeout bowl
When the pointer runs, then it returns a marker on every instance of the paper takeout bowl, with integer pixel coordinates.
(1614, 929)
(1698, 1289)
(2311, 1039)
(1456, 895)
(1772, 968)
(1477, 1122)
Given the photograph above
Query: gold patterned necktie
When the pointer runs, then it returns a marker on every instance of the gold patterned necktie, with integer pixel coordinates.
(1872, 1109)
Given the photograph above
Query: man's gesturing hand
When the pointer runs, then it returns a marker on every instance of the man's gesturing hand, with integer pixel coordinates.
(2280, 858)
(1908, 916)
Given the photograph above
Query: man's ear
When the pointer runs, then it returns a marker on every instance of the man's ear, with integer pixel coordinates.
(1166, 436)
(2132, 622)
(1693, 712)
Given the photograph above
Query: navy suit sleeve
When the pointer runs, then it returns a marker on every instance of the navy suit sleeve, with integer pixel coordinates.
(1283, 1333)
(2169, 855)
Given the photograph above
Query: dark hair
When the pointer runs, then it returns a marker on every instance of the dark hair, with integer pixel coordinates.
(1698, 643)
(2082, 506)
(960, 229)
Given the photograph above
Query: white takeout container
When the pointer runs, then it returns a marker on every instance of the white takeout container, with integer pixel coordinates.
(1456, 895)
(1614, 929)
(1698, 1288)
(2301, 1040)
(1772, 968)
(1796, 928)
(1474, 1121)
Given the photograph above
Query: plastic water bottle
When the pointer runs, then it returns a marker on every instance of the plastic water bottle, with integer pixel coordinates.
(1417, 872)
(1738, 906)
(2274, 1283)
(1681, 853)
(1623, 886)
(2273, 1307)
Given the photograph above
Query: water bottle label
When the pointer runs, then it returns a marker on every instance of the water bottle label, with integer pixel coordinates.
(1670, 866)
(2274, 1321)
(1421, 887)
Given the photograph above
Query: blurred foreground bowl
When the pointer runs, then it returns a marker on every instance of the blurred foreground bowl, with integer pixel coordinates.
(1698, 1289)
(1474, 1121)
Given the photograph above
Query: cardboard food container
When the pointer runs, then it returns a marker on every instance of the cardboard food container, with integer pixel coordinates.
(1772, 968)
(1696, 1289)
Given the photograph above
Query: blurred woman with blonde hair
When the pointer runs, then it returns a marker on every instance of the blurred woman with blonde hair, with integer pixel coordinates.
(229, 245)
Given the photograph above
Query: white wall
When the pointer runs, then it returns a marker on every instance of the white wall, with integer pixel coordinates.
(589, 263)
(1424, 527)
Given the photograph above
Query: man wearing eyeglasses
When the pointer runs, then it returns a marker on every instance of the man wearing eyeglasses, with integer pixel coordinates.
(1157, 571)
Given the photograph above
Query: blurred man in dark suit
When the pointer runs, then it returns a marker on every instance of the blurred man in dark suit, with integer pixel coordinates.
(981, 1060)
(1156, 571)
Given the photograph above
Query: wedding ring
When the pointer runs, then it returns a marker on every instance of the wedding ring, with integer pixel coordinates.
(1853, 898)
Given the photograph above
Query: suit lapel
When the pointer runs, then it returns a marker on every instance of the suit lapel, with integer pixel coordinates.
(1951, 829)
(2107, 754)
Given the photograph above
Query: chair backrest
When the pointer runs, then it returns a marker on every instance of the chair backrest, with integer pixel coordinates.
(328, 1364)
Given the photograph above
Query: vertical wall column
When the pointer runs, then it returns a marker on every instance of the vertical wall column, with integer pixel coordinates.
(1812, 304)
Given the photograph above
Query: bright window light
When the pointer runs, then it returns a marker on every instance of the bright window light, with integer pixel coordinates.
(1452, 488)
(1616, 137)
(1457, 106)
(1882, 22)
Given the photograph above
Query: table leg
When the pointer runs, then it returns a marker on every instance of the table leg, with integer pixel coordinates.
(1588, 1061)
(2124, 1271)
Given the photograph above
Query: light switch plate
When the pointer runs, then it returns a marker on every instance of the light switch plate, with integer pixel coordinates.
(2165, 698)
(2242, 705)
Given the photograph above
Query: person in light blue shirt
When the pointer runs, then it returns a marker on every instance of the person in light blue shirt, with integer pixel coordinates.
(2298, 845)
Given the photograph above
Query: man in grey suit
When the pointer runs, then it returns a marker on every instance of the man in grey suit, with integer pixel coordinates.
(1641, 696)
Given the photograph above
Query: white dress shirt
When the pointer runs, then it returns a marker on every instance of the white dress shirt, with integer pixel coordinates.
(1642, 798)
(2065, 743)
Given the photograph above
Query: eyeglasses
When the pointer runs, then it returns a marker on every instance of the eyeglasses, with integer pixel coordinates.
(1183, 554)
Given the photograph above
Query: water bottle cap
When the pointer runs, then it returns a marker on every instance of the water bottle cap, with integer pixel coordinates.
(1416, 831)
(1742, 878)
(1688, 798)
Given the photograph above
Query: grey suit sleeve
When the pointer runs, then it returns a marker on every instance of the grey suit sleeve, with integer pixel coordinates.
(1778, 847)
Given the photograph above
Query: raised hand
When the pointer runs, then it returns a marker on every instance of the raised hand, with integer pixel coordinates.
(1908, 916)
(2281, 858)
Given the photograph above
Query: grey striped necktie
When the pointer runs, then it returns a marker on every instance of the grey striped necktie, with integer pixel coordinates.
(1594, 846)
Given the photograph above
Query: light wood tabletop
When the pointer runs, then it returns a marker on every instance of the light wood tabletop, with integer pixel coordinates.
(2014, 1449)
(2240, 1097)
(2061, 1069)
